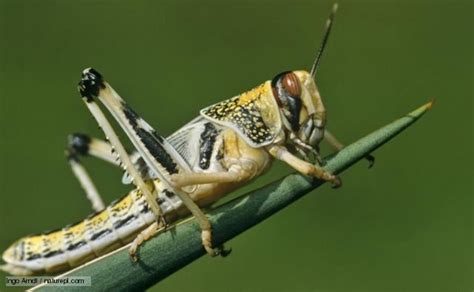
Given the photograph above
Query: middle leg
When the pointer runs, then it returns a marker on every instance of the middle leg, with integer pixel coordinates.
(80, 145)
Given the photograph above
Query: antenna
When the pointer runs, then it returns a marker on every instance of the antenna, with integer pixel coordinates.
(327, 30)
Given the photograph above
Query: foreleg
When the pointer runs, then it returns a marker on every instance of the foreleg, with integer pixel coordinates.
(306, 168)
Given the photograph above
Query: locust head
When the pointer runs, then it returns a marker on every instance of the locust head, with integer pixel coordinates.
(301, 109)
(289, 104)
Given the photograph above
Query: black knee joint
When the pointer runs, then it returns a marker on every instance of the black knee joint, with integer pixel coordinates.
(90, 84)
(78, 144)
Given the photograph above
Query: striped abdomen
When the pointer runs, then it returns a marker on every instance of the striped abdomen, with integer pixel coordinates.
(78, 243)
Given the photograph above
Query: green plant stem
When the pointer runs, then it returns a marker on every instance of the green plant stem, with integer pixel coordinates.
(176, 248)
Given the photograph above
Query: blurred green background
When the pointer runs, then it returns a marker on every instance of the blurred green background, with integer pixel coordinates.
(405, 225)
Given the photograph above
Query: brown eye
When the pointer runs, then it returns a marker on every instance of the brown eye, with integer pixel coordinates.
(287, 92)
(291, 84)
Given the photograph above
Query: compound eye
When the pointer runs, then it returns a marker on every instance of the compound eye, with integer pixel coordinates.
(291, 84)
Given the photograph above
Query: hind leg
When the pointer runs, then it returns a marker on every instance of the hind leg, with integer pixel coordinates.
(88, 88)
(155, 150)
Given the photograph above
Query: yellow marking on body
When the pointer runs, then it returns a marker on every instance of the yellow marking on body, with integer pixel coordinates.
(230, 145)
(254, 114)
(99, 220)
(76, 232)
(138, 194)
(251, 95)
(122, 206)
(268, 108)
(33, 246)
(54, 240)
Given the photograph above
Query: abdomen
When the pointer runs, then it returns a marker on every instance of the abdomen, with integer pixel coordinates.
(73, 245)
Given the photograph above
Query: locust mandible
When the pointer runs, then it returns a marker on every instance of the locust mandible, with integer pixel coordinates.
(225, 147)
